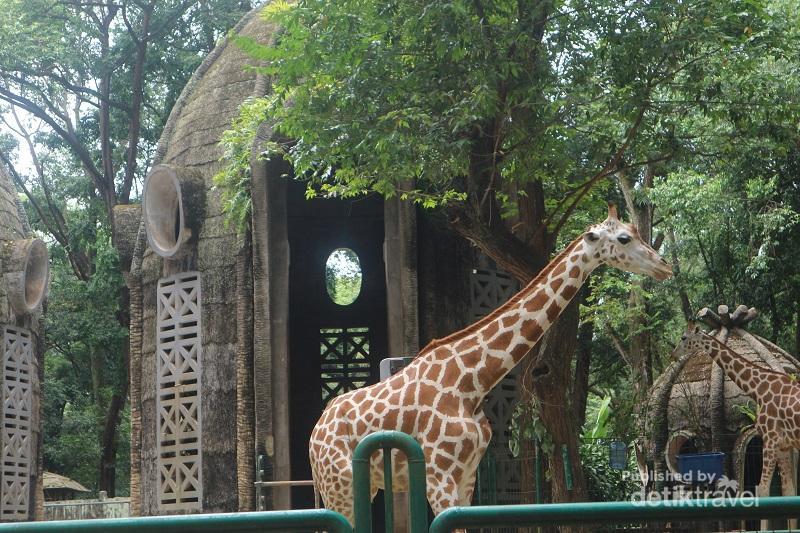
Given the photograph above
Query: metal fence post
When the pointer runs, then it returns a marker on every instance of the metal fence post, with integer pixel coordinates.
(387, 441)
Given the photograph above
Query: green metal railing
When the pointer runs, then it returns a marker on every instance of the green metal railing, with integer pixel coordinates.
(455, 518)
(417, 495)
(614, 513)
(305, 520)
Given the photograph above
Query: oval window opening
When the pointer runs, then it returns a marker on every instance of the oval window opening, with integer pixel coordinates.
(343, 276)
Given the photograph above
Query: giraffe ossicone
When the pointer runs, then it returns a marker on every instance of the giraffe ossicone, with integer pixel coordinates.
(437, 398)
(776, 394)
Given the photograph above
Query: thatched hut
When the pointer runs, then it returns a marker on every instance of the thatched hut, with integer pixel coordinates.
(237, 340)
(25, 268)
(695, 407)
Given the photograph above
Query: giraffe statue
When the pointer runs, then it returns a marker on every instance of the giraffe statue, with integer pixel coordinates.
(777, 396)
(438, 397)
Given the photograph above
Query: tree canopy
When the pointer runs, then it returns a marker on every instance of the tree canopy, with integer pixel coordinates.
(516, 120)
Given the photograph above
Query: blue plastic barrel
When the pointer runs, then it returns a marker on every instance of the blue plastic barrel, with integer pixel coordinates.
(701, 467)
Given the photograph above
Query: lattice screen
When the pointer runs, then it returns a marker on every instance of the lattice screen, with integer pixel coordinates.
(488, 290)
(345, 362)
(17, 410)
(178, 393)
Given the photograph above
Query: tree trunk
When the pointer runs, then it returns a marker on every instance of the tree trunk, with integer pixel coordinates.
(797, 329)
(108, 445)
(583, 362)
(550, 375)
(640, 349)
(245, 416)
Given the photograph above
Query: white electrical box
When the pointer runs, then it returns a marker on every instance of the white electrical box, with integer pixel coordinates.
(392, 365)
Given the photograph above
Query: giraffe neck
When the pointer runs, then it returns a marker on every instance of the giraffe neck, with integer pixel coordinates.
(487, 350)
(754, 380)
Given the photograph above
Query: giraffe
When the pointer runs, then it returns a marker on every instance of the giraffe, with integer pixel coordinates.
(776, 394)
(438, 397)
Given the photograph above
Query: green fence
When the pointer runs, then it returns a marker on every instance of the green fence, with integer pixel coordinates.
(234, 522)
(454, 518)
(607, 513)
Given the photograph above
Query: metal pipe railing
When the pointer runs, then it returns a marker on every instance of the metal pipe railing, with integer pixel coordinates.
(303, 520)
(615, 512)
(278, 484)
(362, 493)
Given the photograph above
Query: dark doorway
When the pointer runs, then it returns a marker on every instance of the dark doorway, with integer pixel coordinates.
(333, 347)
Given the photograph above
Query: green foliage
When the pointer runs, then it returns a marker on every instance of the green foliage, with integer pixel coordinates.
(234, 178)
(750, 410)
(343, 276)
(600, 428)
(527, 426)
(606, 483)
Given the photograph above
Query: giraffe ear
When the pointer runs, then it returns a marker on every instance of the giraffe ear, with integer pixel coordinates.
(612, 211)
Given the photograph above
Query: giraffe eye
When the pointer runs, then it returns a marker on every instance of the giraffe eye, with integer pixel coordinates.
(624, 238)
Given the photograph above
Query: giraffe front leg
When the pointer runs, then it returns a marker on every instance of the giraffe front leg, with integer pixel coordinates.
(767, 469)
(443, 494)
(788, 488)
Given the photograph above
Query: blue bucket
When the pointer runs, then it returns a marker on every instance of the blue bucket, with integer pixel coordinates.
(701, 467)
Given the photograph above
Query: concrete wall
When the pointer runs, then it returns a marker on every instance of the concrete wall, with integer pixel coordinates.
(87, 509)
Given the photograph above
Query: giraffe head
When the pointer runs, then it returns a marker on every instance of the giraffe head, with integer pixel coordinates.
(693, 341)
(618, 244)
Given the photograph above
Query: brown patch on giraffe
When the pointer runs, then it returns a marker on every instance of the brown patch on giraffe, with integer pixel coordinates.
(441, 353)
(427, 394)
(469, 343)
(552, 311)
(569, 292)
(519, 351)
(442, 462)
(775, 387)
(423, 419)
(435, 430)
(737, 366)
(361, 427)
(380, 407)
(574, 272)
(448, 447)
(746, 374)
(492, 369)
(472, 359)
(451, 376)
(762, 388)
(490, 330)
(408, 422)
(467, 384)
(453, 429)
(502, 341)
(556, 283)
(359, 395)
(559, 269)
(390, 419)
(509, 320)
(537, 302)
(467, 447)
(531, 330)
(434, 371)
